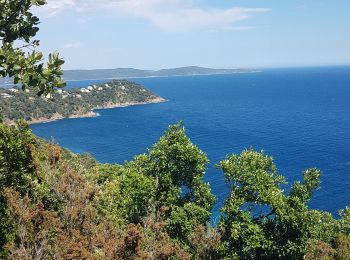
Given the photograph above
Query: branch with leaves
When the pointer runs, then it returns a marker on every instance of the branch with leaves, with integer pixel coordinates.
(18, 26)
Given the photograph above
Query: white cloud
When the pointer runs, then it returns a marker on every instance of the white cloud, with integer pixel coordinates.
(72, 45)
(167, 15)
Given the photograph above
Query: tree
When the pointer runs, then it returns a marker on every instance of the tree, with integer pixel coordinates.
(259, 221)
(18, 27)
(178, 167)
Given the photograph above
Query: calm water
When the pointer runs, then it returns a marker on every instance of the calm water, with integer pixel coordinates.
(300, 116)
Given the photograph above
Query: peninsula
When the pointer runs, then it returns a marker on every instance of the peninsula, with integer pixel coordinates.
(72, 103)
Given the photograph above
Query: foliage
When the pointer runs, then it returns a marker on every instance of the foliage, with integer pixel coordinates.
(16, 157)
(204, 242)
(320, 250)
(259, 220)
(151, 241)
(70, 223)
(345, 220)
(18, 26)
(128, 198)
(340, 249)
(177, 167)
(16, 169)
(58, 205)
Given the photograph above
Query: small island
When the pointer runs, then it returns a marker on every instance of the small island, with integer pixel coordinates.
(72, 103)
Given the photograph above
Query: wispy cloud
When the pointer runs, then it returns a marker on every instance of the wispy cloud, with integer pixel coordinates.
(54, 7)
(72, 45)
(167, 15)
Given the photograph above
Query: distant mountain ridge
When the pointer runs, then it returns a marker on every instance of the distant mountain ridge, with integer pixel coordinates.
(124, 73)
(131, 72)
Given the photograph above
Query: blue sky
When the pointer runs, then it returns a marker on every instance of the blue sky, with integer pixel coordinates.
(154, 34)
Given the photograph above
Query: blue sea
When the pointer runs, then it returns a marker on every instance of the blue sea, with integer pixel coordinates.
(299, 116)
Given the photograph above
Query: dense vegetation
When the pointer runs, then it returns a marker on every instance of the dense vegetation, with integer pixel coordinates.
(59, 205)
(17, 104)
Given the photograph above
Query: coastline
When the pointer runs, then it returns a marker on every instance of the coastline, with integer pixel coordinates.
(90, 113)
(128, 104)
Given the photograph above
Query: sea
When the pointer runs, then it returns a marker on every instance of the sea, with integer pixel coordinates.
(300, 116)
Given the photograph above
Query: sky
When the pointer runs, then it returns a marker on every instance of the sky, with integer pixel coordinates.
(156, 34)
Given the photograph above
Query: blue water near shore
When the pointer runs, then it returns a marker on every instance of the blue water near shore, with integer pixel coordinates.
(300, 116)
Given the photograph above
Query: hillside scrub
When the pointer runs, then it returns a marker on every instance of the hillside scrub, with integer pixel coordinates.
(58, 205)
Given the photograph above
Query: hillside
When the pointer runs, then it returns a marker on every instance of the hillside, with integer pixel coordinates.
(58, 205)
(17, 104)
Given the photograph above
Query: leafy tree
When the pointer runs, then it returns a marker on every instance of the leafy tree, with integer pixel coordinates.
(259, 221)
(18, 27)
(178, 167)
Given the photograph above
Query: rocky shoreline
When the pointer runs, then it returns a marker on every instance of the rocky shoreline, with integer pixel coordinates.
(91, 113)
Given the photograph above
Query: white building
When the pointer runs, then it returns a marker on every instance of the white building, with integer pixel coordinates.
(5, 95)
(84, 90)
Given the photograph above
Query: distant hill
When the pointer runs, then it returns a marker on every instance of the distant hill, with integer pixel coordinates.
(123, 73)
(130, 72)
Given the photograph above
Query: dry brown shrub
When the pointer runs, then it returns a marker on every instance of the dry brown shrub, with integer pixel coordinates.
(37, 229)
(156, 243)
(320, 250)
(205, 242)
(343, 247)
(54, 153)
